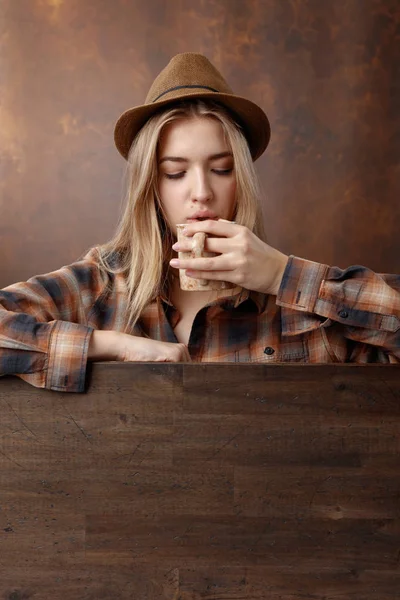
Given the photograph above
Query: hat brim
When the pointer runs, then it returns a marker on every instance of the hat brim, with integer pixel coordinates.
(251, 118)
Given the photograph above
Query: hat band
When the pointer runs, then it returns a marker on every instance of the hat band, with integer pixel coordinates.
(186, 87)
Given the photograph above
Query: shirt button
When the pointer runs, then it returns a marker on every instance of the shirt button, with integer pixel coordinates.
(343, 313)
(268, 350)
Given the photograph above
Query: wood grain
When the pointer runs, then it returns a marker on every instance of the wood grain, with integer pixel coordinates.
(203, 481)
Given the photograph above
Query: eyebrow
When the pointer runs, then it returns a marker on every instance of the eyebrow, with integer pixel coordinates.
(179, 159)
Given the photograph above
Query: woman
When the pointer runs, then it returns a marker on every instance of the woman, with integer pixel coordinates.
(190, 151)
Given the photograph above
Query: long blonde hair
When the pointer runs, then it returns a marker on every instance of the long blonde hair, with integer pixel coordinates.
(142, 242)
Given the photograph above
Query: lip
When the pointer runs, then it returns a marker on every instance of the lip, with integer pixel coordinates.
(202, 215)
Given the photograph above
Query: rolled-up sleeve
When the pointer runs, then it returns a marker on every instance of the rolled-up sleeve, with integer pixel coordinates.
(44, 335)
(366, 304)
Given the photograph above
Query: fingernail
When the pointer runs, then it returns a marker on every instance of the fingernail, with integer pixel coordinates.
(174, 262)
(176, 246)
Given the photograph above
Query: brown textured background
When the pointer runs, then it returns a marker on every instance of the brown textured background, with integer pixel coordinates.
(327, 73)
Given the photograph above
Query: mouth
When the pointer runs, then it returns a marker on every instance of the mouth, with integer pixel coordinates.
(205, 218)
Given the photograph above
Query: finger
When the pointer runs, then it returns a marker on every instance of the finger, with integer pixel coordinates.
(215, 263)
(212, 275)
(219, 228)
(218, 245)
(183, 352)
(186, 356)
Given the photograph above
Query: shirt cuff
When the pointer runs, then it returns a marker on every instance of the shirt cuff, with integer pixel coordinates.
(67, 357)
(301, 283)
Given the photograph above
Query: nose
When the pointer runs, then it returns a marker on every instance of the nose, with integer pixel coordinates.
(201, 190)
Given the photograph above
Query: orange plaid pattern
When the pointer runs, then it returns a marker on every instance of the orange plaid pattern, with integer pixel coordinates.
(321, 314)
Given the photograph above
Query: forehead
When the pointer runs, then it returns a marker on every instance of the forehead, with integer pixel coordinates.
(193, 134)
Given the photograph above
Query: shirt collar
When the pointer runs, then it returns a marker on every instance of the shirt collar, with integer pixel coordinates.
(255, 299)
(293, 322)
(258, 299)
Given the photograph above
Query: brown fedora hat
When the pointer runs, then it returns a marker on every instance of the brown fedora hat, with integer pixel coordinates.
(186, 76)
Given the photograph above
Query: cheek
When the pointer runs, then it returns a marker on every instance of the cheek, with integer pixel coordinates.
(231, 192)
(169, 201)
(162, 190)
(166, 195)
(169, 189)
(232, 200)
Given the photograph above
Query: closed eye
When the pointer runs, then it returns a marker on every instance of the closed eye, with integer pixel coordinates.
(222, 171)
(174, 175)
(182, 173)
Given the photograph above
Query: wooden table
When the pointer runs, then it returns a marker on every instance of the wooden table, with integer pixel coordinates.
(212, 481)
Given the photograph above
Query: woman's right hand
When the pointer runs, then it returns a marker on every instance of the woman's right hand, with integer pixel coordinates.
(118, 346)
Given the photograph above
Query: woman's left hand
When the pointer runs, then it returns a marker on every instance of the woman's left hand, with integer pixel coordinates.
(242, 258)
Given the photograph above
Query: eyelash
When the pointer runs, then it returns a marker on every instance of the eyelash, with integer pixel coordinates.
(180, 175)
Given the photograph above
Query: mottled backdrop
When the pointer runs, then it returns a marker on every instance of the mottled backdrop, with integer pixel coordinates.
(326, 72)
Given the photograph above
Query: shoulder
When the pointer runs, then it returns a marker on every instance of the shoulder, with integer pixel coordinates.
(85, 277)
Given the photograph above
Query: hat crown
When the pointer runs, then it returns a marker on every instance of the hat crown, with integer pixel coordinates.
(187, 71)
(190, 76)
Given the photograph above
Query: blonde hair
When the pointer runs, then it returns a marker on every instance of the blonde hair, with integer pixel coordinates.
(142, 242)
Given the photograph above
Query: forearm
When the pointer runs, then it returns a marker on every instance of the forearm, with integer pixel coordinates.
(123, 347)
(51, 355)
(44, 328)
(104, 345)
(364, 303)
(281, 261)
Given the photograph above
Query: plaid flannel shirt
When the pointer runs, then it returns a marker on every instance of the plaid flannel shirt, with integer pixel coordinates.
(321, 315)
